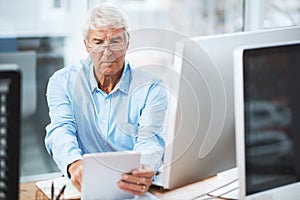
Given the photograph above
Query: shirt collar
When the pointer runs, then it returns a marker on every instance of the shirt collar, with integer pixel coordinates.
(122, 85)
(91, 77)
(125, 78)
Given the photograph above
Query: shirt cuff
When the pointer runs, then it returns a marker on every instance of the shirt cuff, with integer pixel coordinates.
(67, 162)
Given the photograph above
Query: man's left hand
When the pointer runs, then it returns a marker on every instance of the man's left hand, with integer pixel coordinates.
(138, 181)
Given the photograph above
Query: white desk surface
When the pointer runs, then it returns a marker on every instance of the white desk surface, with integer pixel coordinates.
(197, 190)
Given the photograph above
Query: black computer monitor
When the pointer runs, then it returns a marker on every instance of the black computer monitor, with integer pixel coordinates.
(267, 110)
(9, 133)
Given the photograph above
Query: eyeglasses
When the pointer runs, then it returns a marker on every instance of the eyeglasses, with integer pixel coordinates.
(118, 42)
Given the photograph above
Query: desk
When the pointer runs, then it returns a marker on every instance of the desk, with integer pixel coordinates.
(28, 190)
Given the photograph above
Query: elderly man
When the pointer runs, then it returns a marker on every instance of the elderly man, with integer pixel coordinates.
(103, 104)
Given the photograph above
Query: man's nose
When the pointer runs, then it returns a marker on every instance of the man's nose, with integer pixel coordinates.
(107, 50)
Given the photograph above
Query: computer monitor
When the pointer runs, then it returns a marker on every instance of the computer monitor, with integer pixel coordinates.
(26, 60)
(200, 121)
(9, 131)
(268, 120)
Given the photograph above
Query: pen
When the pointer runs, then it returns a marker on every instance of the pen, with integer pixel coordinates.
(61, 192)
(52, 191)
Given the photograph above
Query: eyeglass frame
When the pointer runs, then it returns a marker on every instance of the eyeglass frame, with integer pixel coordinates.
(103, 46)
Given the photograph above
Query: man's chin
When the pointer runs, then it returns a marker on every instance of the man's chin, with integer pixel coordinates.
(108, 71)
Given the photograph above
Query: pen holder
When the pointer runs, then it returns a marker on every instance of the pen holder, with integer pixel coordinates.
(45, 194)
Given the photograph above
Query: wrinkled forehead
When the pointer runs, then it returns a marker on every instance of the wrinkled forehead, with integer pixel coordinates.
(104, 33)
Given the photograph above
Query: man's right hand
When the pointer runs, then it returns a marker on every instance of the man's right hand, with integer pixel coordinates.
(75, 171)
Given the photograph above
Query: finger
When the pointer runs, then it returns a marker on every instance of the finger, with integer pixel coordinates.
(133, 188)
(76, 180)
(137, 179)
(76, 183)
(135, 192)
(148, 174)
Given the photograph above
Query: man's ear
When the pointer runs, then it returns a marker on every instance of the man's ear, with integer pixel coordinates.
(86, 47)
(127, 45)
(128, 42)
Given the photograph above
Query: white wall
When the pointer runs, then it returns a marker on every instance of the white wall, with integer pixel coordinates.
(22, 15)
(32, 18)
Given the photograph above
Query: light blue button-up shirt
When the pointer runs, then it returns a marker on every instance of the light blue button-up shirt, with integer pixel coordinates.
(84, 119)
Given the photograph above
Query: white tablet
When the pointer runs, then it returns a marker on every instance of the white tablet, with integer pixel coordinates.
(102, 171)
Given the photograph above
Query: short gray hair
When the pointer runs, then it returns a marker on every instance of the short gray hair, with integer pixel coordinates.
(104, 16)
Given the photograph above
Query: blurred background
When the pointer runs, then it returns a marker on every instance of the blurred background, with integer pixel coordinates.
(52, 30)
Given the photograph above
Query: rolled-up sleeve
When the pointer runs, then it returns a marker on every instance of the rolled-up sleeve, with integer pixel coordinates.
(150, 138)
(61, 141)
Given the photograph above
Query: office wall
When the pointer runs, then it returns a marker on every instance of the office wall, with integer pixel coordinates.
(23, 15)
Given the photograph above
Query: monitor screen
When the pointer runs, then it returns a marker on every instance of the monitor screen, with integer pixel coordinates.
(272, 116)
(9, 133)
